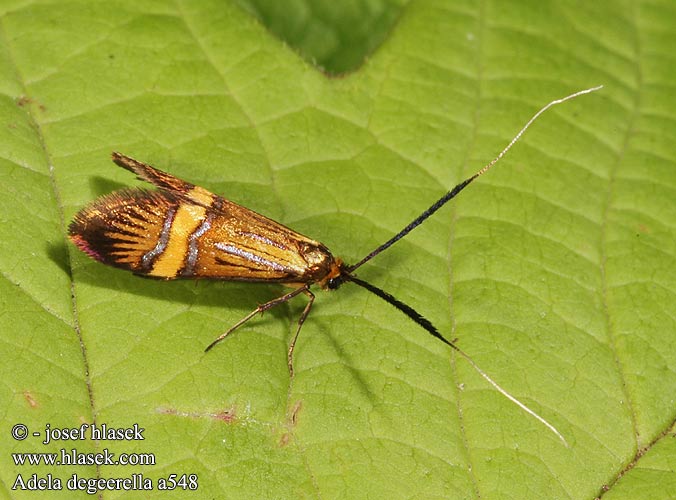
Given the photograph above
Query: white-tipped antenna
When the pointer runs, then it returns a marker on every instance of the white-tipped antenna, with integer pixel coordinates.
(482, 171)
(530, 122)
(510, 397)
(412, 313)
(453, 192)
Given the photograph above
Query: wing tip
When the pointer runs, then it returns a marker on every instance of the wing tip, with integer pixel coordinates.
(126, 162)
(83, 243)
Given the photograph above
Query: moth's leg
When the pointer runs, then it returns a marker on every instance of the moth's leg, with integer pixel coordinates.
(301, 320)
(261, 308)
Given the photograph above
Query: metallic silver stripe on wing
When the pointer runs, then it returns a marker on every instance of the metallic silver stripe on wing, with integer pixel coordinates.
(149, 257)
(193, 249)
(233, 250)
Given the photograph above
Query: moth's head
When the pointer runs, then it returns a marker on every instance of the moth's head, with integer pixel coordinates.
(334, 276)
(339, 276)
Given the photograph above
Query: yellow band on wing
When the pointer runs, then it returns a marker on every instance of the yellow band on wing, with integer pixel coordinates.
(187, 219)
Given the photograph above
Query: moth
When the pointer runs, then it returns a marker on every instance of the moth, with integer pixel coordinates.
(180, 230)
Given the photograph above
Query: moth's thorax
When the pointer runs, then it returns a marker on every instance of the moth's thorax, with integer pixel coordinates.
(321, 264)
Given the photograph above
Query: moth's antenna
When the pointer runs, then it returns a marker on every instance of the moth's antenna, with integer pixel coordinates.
(453, 192)
(427, 325)
(414, 315)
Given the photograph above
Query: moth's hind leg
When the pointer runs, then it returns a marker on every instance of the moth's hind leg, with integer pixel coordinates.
(301, 320)
(269, 305)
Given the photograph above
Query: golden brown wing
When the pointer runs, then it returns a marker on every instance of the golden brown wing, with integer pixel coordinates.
(184, 231)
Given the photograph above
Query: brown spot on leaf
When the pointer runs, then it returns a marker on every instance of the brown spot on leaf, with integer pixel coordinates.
(227, 416)
(32, 402)
(24, 100)
(284, 440)
(291, 421)
(293, 416)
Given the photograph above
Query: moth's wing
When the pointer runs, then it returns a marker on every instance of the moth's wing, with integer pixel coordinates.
(125, 229)
(164, 234)
(257, 245)
(150, 174)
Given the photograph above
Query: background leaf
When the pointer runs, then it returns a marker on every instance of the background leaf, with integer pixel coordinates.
(555, 271)
(335, 36)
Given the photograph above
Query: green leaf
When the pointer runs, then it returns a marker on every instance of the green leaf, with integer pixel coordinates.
(555, 271)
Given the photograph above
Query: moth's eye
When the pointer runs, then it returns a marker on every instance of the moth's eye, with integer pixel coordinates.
(334, 283)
